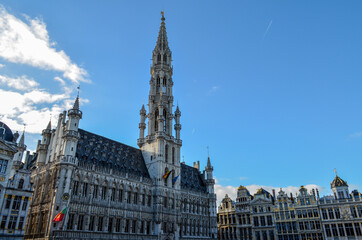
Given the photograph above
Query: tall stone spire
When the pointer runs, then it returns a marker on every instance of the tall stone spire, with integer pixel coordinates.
(161, 145)
(162, 43)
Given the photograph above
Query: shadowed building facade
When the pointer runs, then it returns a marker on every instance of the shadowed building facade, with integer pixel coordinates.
(110, 190)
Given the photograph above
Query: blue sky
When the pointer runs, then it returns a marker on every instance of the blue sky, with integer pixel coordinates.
(272, 87)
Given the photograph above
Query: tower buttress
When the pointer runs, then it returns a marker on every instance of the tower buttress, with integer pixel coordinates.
(70, 134)
(43, 145)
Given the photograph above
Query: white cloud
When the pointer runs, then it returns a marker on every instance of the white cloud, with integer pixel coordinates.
(221, 190)
(29, 43)
(2, 65)
(19, 83)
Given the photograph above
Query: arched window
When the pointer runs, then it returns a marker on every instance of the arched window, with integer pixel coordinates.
(164, 81)
(173, 155)
(173, 176)
(165, 58)
(158, 83)
(159, 58)
(166, 153)
(21, 184)
(156, 122)
(165, 119)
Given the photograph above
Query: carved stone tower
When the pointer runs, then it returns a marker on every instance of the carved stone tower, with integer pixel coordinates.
(161, 149)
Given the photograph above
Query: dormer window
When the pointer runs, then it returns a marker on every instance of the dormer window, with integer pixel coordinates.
(21, 184)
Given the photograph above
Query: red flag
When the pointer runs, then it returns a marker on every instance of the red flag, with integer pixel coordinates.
(59, 217)
(166, 175)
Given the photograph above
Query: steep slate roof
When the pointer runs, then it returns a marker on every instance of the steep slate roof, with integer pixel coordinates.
(191, 179)
(338, 182)
(107, 153)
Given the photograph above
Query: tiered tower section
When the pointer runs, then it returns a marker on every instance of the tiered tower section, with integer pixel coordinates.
(161, 148)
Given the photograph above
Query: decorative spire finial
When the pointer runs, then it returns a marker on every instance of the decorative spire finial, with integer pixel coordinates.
(335, 170)
(208, 154)
(163, 15)
(78, 88)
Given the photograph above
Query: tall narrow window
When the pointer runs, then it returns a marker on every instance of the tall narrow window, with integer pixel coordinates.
(104, 192)
(95, 191)
(21, 223)
(91, 223)
(173, 155)
(3, 165)
(70, 221)
(110, 224)
(16, 202)
(165, 120)
(80, 222)
(166, 153)
(75, 188)
(8, 201)
(158, 83)
(85, 189)
(156, 118)
(164, 85)
(158, 58)
(165, 58)
(12, 222)
(21, 184)
(118, 225)
(100, 224)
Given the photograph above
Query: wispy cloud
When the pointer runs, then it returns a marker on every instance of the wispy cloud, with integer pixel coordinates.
(213, 89)
(27, 100)
(2, 65)
(267, 29)
(243, 178)
(19, 83)
(355, 135)
(29, 43)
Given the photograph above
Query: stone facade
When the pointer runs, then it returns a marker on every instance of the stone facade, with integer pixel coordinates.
(15, 185)
(110, 190)
(303, 217)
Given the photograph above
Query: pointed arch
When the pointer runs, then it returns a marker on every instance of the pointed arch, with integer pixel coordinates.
(165, 58)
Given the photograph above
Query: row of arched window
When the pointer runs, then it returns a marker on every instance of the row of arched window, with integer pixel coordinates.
(159, 58)
(194, 207)
(120, 194)
(195, 227)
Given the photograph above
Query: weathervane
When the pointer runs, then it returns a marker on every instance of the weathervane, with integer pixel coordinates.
(78, 90)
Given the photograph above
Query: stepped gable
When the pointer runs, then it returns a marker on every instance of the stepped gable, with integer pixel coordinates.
(107, 153)
(191, 179)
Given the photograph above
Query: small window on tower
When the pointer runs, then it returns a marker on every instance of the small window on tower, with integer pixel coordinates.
(158, 58)
(165, 58)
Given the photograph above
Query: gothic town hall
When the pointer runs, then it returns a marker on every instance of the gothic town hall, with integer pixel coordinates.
(104, 189)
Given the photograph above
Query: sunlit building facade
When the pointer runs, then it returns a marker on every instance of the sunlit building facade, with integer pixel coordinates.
(305, 216)
(109, 190)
